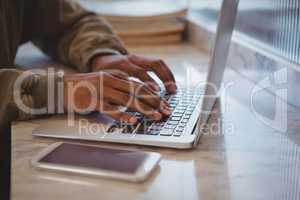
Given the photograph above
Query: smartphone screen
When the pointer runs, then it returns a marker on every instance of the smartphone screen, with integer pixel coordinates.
(96, 158)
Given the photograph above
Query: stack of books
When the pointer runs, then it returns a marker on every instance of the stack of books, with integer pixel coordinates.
(140, 22)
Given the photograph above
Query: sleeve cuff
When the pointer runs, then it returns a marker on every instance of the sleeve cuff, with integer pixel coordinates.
(99, 52)
(47, 93)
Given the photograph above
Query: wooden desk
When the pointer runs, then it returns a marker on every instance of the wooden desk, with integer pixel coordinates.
(246, 160)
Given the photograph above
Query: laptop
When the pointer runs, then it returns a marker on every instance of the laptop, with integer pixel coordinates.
(191, 107)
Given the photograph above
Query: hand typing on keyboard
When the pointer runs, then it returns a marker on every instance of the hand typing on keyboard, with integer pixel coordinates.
(110, 87)
(182, 105)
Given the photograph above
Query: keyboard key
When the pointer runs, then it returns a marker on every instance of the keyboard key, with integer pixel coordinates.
(161, 124)
(155, 128)
(176, 115)
(143, 127)
(180, 128)
(177, 133)
(173, 104)
(142, 132)
(193, 104)
(174, 99)
(191, 108)
(188, 112)
(172, 122)
(112, 128)
(115, 127)
(184, 121)
(128, 129)
(166, 132)
(186, 117)
(153, 132)
(182, 124)
(185, 102)
(179, 112)
(181, 107)
(169, 126)
(136, 114)
(173, 118)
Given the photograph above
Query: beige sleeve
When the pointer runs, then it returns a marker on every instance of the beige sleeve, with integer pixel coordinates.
(31, 93)
(71, 34)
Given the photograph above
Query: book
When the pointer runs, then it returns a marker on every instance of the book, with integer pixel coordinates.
(153, 40)
(150, 29)
(142, 21)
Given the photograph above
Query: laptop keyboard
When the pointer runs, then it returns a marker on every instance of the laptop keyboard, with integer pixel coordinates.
(182, 104)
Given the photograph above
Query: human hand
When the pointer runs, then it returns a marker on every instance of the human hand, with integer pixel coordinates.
(105, 92)
(137, 66)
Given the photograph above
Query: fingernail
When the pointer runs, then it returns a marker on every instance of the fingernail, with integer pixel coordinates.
(156, 116)
(166, 103)
(132, 120)
(167, 112)
(172, 88)
(157, 88)
(167, 109)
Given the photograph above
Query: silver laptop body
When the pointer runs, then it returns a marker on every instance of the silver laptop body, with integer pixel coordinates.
(191, 107)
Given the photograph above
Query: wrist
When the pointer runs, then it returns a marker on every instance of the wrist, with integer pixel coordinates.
(96, 62)
(99, 62)
(74, 93)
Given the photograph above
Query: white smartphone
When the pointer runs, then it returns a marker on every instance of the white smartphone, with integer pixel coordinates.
(97, 161)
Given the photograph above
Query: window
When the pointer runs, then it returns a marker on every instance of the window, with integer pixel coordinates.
(275, 23)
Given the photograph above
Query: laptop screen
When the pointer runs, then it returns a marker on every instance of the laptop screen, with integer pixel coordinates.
(218, 58)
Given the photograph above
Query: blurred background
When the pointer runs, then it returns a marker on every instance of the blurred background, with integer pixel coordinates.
(275, 24)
